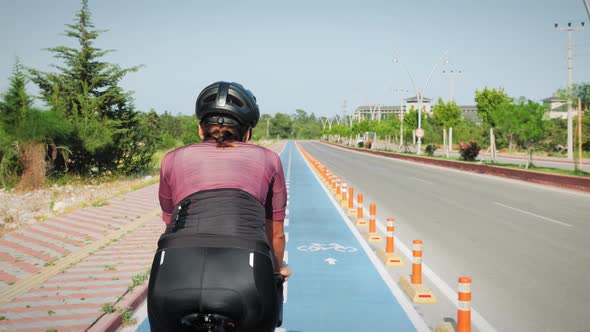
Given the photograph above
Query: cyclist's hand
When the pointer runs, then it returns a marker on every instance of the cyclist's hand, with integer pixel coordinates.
(285, 271)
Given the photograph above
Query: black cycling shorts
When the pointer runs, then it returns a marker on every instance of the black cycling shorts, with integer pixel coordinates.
(233, 282)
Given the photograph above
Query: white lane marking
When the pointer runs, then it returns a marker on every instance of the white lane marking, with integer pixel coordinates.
(403, 301)
(251, 260)
(162, 257)
(534, 215)
(286, 237)
(331, 261)
(286, 284)
(479, 321)
(286, 222)
(286, 212)
(420, 180)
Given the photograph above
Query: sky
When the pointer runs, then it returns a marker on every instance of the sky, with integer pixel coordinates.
(312, 54)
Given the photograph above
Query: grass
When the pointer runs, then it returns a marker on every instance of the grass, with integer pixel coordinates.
(109, 268)
(108, 308)
(542, 169)
(126, 315)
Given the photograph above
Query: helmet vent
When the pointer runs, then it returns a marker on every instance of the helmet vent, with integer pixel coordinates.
(210, 98)
(234, 101)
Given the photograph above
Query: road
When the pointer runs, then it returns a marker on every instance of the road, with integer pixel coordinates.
(524, 245)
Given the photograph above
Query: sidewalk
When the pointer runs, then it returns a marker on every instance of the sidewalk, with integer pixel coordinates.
(63, 274)
(82, 271)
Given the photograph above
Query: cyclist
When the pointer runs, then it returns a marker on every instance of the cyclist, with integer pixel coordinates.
(223, 202)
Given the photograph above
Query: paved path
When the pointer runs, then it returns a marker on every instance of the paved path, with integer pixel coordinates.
(338, 287)
(58, 274)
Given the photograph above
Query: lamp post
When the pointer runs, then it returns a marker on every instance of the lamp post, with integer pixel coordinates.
(570, 135)
(402, 93)
(420, 93)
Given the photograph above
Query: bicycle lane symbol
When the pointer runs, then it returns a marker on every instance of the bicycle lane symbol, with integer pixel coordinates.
(326, 246)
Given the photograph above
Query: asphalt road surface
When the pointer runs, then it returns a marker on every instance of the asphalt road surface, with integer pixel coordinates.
(526, 246)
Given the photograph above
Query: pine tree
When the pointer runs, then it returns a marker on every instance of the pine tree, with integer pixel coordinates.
(86, 89)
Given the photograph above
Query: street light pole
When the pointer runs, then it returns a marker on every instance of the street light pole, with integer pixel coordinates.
(401, 93)
(420, 93)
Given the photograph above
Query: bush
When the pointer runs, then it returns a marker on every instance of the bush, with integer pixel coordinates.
(430, 148)
(469, 151)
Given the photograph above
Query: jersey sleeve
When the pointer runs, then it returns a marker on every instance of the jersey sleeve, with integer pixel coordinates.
(165, 193)
(277, 196)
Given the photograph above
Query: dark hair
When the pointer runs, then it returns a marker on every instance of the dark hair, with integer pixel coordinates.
(223, 135)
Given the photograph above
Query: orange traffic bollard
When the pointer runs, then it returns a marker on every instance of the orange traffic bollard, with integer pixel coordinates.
(337, 187)
(464, 312)
(342, 196)
(372, 217)
(372, 234)
(359, 215)
(389, 237)
(417, 263)
(413, 286)
(351, 210)
(388, 256)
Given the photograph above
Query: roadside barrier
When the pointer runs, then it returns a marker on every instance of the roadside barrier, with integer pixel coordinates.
(388, 255)
(351, 210)
(343, 200)
(372, 234)
(417, 262)
(463, 310)
(360, 221)
(417, 291)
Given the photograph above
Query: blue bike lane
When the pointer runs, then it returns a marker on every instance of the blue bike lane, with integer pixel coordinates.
(335, 286)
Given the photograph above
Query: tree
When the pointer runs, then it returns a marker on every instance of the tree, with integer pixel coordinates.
(524, 122)
(281, 126)
(24, 133)
(86, 90)
(487, 102)
(446, 114)
(582, 91)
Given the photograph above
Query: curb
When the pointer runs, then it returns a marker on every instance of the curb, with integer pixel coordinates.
(556, 180)
(111, 322)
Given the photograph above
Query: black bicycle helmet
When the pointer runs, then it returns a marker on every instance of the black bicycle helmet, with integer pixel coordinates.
(228, 99)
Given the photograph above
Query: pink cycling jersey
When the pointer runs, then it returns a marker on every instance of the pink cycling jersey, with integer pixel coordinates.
(204, 166)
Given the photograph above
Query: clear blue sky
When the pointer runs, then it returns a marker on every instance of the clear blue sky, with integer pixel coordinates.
(311, 54)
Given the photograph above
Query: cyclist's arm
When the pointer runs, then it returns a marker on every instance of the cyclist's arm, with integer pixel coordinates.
(276, 238)
(275, 213)
(165, 194)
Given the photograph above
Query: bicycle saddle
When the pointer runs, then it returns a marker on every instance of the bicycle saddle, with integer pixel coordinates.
(202, 322)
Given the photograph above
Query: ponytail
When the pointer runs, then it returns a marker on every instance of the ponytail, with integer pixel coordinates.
(223, 135)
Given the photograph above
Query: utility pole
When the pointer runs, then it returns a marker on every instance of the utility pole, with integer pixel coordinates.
(570, 130)
(452, 73)
(267, 125)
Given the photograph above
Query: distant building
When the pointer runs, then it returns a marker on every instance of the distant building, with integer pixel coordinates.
(557, 107)
(378, 111)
